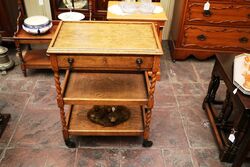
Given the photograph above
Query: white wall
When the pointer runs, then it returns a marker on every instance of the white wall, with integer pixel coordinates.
(37, 7)
(168, 7)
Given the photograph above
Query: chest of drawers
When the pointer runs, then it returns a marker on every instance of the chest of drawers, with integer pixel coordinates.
(222, 28)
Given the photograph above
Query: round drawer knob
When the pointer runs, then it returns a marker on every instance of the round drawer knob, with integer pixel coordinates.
(139, 61)
(201, 37)
(243, 40)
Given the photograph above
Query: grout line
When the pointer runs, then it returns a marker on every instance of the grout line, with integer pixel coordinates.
(192, 160)
(163, 157)
(45, 164)
(76, 154)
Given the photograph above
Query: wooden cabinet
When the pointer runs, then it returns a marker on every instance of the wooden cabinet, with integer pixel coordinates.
(59, 6)
(94, 10)
(223, 28)
(105, 69)
(8, 15)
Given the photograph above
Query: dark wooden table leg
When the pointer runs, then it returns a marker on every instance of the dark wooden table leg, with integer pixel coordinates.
(4, 119)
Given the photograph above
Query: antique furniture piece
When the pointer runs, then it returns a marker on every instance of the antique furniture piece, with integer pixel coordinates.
(32, 59)
(223, 28)
(230, 119)
(93, 10)
(60, 6)
(8, 15)
(158, 18)
(108, 68)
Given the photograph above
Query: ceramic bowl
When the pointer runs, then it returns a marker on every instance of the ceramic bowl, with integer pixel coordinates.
(37, 24)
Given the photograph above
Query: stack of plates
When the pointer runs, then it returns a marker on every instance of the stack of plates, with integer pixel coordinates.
(37, 24)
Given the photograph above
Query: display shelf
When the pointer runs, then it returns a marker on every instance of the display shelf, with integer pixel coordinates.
(37, 59)
(105, 88)
(79, 124)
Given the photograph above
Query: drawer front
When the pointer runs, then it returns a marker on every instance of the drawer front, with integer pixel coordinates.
(107, 62)
(218, 14)
(221, 38)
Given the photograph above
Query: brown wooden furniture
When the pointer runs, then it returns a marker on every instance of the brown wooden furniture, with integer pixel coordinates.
(95, 10)
(223, 28)
(158, 19)
(32, 59)
(233, 115)
(8, 15)
(107, 67)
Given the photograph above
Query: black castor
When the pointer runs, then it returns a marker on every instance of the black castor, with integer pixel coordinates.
(69, 143)
(147, 143)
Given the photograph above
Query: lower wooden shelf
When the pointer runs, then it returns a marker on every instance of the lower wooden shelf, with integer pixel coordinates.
(37, 59)
(105, 88)
(79, 124)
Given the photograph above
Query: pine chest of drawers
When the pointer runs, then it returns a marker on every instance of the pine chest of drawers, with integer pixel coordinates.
(225, 27)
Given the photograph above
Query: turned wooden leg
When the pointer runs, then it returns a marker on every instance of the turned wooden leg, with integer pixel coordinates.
(146, 142)
(60, 104)
(19, 52)
(212, 89)
(148, 113)
(226, 110)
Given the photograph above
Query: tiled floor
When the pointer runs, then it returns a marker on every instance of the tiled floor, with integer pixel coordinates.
(180, 131)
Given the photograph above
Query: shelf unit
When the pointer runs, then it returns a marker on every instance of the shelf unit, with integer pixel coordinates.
(32, 59)
(103, 72)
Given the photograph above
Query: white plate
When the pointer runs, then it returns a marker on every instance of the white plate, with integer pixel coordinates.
(71, 16)
(239, 70)
(36, 21)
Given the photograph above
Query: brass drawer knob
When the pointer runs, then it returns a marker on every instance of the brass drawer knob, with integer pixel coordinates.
(207, 13)
(243, 40)
(201, 37)
(139, 61)
(70, 61)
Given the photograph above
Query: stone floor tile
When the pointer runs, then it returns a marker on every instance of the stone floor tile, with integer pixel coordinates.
(28, 157)
(204, 69)
(167, 129)
(207, 158)
(164, 95)
(12, 104)
(182, 71)
(194, 113)
(39, 127)
(177, 157)
(97, 157)
(141, 158)
(190, 100)
(60, 157)
(21, 85)
(188, 88)
(43, 99)
(199, 134)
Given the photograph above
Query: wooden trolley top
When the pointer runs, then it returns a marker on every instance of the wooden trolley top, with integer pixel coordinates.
(105, 38)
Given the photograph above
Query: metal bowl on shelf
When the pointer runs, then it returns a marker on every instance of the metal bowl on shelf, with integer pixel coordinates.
(37, 24)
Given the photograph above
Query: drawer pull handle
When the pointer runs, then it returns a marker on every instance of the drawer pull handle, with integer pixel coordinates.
(70, 61)
(243, 40)
(139, 61)
(201, 37)
(207, 13)
(248, 16)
